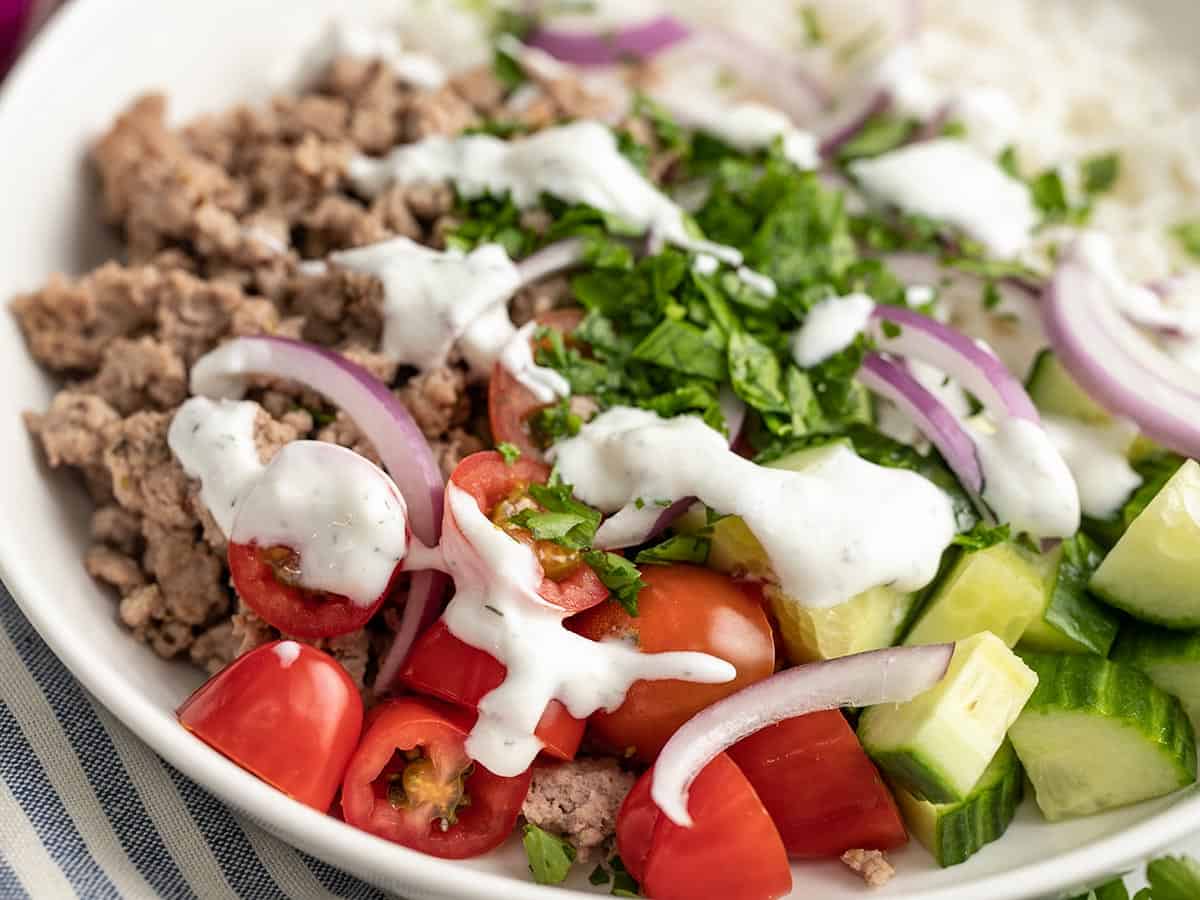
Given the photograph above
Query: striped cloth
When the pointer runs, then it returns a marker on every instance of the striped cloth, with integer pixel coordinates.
(87, 810)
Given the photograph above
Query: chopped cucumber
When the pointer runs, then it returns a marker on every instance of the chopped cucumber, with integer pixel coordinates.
(952, 832)
(1000, 589)
(1054, 391)
(1170, 658)
(1153, 572)
(1096, 735)
(869, 621)
(1071, 621)
(937, 745)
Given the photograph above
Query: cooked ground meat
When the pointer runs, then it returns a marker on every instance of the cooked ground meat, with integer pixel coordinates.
(872, 865)
(218, 217)
(578, 800)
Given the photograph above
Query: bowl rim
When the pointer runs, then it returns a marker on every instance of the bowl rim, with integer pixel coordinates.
(357, 851)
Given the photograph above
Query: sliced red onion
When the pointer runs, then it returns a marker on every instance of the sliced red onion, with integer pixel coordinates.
(382, 419)
(975, 367)
(1115, 363)
(550, 260)
(893, 675)
(606, 48)
(939, 425)
(848, 122)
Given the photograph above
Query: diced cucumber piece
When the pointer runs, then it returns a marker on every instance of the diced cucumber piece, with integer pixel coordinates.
(1170, 658)
(1153, 572)
(937, 745)
(953, 832)
(869, 621)
(1096, 735)
(1071, 621)
(1054, 391)
(1000, 589)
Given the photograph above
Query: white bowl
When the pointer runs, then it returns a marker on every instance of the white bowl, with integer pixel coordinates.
(92, 60)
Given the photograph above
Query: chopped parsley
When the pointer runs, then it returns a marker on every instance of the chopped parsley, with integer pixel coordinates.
(563, 519)
(619, 575)
(550, 857)
(881, 133)
(1188, 235)
(1096, 174)
(679, 548)
(509, 451)
(1168, 877)
(813, 32)
(982, 536)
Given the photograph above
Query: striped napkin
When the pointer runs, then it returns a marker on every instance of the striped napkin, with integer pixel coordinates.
(88, 811)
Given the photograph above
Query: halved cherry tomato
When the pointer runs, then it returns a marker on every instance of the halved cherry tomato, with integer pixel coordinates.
(440, 665)
(824, 794)
(510, 403)
(490, 480)
(260, 575)
(681, 608)
(286, 712)
(410, 781)
(731, 852)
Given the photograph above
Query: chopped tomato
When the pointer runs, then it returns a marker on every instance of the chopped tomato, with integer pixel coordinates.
(265, 578)
(410, 781)
(681, 608)
(492, 481)
(731, 852)
(824, 794)
(440, 665)
(286, 712)
(511, 404)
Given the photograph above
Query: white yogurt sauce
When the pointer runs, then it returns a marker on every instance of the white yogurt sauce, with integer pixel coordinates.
(432, 297)
(578, 163)
(830, 327)
(359, 41)
(704, 264)
(1026, 482)
(496, 608)
(214, 442)
(287, 652)
(1096, 456)
(951, 181)
(341, 513)
(832, 531)
(338, 511)
(517, 359)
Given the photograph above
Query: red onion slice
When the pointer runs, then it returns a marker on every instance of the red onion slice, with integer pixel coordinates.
(1115, 363)
(976, 368)
(893, 675)
(382, 419)
(930, 415)
(606, 48)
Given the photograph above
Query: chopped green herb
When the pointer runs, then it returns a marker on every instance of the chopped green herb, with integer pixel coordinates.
(1100, 172)
(639, 503)
(983, 536)
(624, 884)
(952, 128)
(685, 548)
(510, 452)
(509, 71)
(813, 32)
(599, 875)
(619, 575)
(755, 373)
(565, 521)
(1174, 878)
(881, 133)
(684, 348)
(1050, 195)
(555, 422)
(891, 329)
(1110, 890)
(550, 857)
(1188, 235)
(1008, 161)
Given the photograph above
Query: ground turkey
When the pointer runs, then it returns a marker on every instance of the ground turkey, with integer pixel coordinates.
(578, 800)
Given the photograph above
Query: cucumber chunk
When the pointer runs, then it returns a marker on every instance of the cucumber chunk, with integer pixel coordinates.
(1071, 621)
(1170, 658)
(1153, 572)
(1054, 391)
(938, 744)
(1097, 735)
(1000, 589)
(953, 832)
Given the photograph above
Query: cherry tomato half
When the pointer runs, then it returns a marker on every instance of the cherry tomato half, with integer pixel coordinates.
(510, 403)
(261, 576)
(286, 712)
(491, 481)
(681, 608)
(411, 782)
(731, 852)
(440, 665)
(823, 793)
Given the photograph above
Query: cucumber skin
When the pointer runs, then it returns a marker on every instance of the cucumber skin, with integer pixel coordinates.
(962, 829)
(1088, 684)
(1073, 622)
(1146, 646)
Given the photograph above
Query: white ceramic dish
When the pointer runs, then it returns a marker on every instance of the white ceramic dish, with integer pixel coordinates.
(92, 60)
